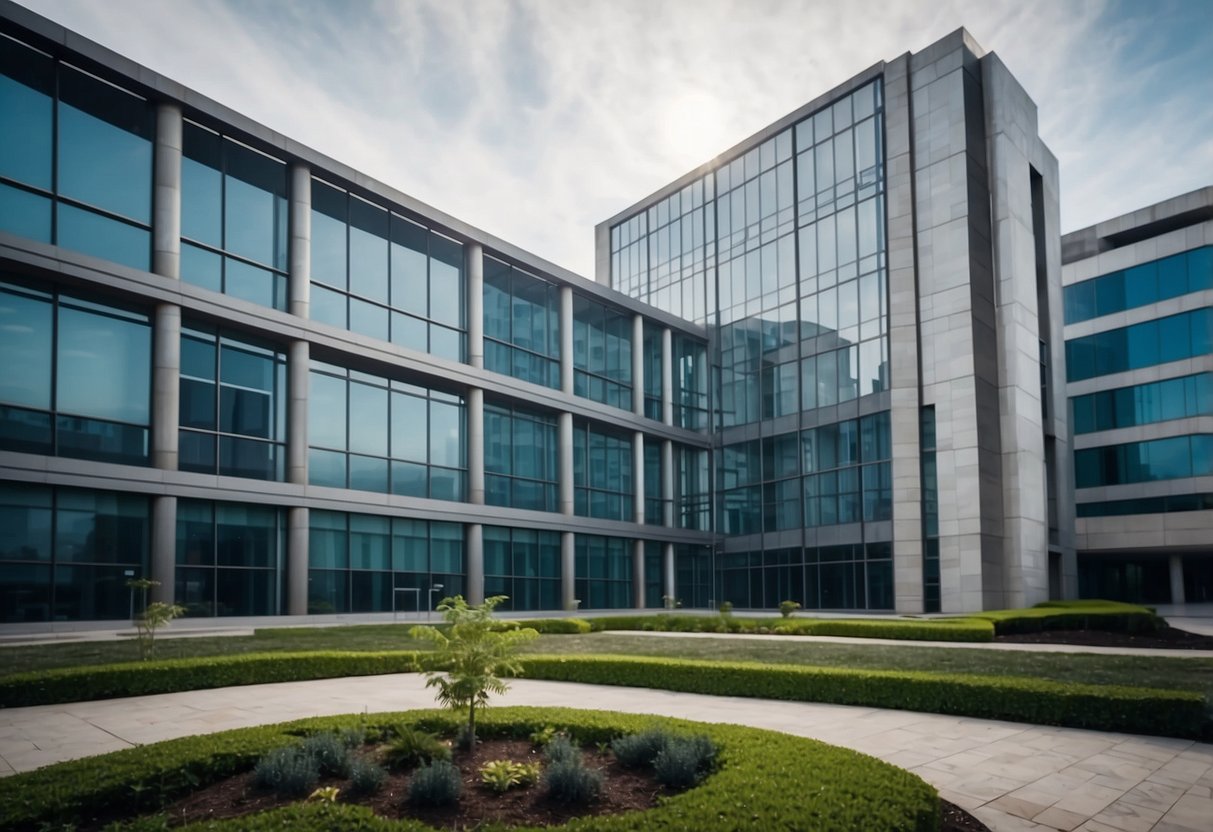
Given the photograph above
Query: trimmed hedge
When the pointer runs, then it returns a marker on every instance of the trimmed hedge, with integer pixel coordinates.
(78, 684)
(1075, 615)
(917, 629)
(764, 780)
(546, 626)
(1170, 713)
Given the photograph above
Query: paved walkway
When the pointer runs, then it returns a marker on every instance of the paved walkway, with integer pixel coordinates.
(1012, 776)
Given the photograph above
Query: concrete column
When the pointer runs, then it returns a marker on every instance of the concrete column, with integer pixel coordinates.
(638, 477)
(166, 194)
(565, 426)
(164, 548)
(474, 543)
(296, 560)
(300, 241)
(638, 365)
(166, 385)
(567, 571)
(667, 563)
(667, 376)
(298, 361)
(1176, 563)
(566, 339)
(475, 446)
(638, 574)
(473, 259)
(667, 482)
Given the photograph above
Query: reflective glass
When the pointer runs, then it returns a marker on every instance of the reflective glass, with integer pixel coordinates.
(254, 284)
(326, 411)
(255, 207)
(25, 214)
(446, 280)
(102, 237)
(27, 83)
(409, 427)
(201, 267)
(369, 252)
(328, 236)
(410, 271)
(25, 350)
(370, 406)
(104, 366)
(202, 186)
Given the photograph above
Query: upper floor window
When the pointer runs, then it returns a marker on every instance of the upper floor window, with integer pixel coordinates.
(1146, 344)
(602, 353)
(521, 325)
(76, 160)
(1170, 277)
(520, 459)
(602, 473)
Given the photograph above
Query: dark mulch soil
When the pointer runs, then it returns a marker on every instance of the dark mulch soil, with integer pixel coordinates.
(1168, 638)
(623, 791)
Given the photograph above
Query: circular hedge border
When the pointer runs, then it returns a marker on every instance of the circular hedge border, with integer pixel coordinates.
(764, 780)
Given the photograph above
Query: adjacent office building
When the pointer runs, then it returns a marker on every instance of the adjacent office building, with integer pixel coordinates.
(1139, 362)
(827, 366)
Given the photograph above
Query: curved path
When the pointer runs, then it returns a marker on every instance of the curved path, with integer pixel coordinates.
(1012, 776)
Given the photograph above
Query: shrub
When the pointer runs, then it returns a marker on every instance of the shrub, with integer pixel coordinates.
(568, 781)
(288, 772)
(1075, 615)
(503, 775)
(951, 629)
(330, 753)
(436, 784)
(726, 607)
(548, 626)
(683, 760)
(409, 747)
(786, 608)
(561, 750)
(366, 777)
(541, 738)
(639, 750)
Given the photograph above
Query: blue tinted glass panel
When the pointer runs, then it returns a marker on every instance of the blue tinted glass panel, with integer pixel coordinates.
(255, 206)
(410, 282)
(201, 267)
(326, 411)
(25, 214)
(328, 235)
(368, 251)
(446, 343)
(27, 82)
(104, 366)
(446, 281)
(328, 307)
(369, 404)
(254, 284)
(105, 149)
(1172, 277)
(368, 474)
(102, 237)
(201, 186)
(409, 427)
(25, 350)
(368, 319)
(409, 332)
(446, 434)
(326, 468)
(1200, 269)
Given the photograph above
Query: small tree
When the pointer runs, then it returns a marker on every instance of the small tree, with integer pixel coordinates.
(786, 608)
(155, 616)
(470, 657)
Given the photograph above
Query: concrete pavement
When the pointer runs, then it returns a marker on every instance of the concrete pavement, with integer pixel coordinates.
(1012, 776)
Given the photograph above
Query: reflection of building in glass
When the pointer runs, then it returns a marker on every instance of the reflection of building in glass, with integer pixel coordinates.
(825, 367)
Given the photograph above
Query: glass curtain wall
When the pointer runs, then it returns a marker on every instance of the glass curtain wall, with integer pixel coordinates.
(1144, 404)
(77, 377)
(520, 458)
(604, 572)
(846, 577)
(654, 371)
(381, 275)
(602, 353)
(76, 160)
(369, 433)
(1170, 277)
(693, 496)
(1147, 344)
(367, 563)
(521, 324)
(602, 473)
(66, 553)
(233, 406)
(690, 383)
(233, 218)
(524, 566)
(1175, 457)
(229, 558)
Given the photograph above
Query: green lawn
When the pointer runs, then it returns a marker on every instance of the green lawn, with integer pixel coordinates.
(1162, 672)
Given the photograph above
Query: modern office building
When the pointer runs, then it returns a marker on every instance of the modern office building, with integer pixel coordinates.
(1139, 360)
(825, 366)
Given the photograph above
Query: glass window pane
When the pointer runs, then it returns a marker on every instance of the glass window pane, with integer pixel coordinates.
(368, 251)
(201, 186)
(104, 366)
(368, 319)
(410, 271)
(25, 350)
(255, 206)
(250, 283)
(446, 281)
(102, 237)
(27, 82)
(409, 427)
(201, 267)
(328, 235)
(326, 411)
(25, 214)
(328, 307)
(446, 435)
(369, 404)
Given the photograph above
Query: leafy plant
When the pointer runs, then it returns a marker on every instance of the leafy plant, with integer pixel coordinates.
(787, 608)
(366, 777)
(154, 616)
(436, 784)
(470, 658)
(683, 760)
(324, 794)
(503, 775)
(330, 752)
(542, 737)
(639, 750)
(726, 608)
(561, 750)
(288, 772)
(410, 747)
(569, 781)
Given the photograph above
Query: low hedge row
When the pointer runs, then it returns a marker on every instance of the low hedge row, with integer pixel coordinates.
(1074, 615)
(78, 684)
(946, 629)
(764, 780)
(1171, 713)
(547, 626)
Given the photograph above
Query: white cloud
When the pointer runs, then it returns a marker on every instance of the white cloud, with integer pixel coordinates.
(535, 120)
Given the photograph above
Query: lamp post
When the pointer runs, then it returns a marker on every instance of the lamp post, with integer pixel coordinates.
(430, 607)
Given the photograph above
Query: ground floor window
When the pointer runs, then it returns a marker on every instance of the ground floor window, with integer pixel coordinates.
(229, 558)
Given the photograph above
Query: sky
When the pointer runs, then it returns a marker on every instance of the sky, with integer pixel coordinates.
(536, 119)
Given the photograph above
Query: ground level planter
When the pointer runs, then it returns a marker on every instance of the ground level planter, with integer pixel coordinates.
(762, 780)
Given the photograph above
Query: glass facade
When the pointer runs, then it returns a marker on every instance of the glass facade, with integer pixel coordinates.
(371, 434)
(1170, 277)
(230, 558)
(383, 276)
(1155, 459)
(1147, 505)
(367, 563)
(233, 218)
(520, 459)
(602, 353)
(692, 486)
(689, 368)
(521, 324)
(1146, 344)
(77, 377)
(847, 577)
(654, 372)
(602, 473)
(67, 553)
(524, 566)
(76, 160)
(654, 500)
(1143, 404)
(930, 512)
(603, 566)
(233, 406)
